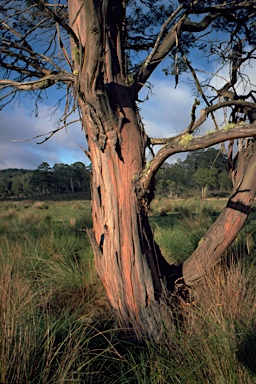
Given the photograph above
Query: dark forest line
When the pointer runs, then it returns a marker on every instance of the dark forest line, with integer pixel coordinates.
(45, 181)
(203, 173)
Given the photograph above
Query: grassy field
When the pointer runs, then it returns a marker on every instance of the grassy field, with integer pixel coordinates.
(55, 323)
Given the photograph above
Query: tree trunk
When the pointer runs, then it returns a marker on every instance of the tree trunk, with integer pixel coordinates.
(204, 192)
(71, 184)
(127, 260)
(228, 224)
(125, 254)
(134, 274)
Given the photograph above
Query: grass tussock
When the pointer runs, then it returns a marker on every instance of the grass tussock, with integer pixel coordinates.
(56, 326)
(218, 320)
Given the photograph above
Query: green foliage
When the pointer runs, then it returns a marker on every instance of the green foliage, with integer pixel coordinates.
(61, 178)
(206, 177)
(229, 126)
(204, 168)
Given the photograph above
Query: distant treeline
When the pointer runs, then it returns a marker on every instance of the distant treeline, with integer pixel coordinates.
(203, 173)
(45, 180)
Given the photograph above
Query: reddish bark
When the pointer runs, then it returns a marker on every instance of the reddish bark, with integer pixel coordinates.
(228, 224)
(136, 277)
(125, 253)
(134, 274)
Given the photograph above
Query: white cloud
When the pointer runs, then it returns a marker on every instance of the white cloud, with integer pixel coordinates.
(16, 124)
(164, 114)
(167, 113)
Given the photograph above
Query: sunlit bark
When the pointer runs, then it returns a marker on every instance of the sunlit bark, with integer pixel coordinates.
(229, 223)
(138, 281)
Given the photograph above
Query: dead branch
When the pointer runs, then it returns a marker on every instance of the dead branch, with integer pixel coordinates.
(176, 145)
(160, 35)
(49, 134)
(59, 20)
(43, 83)
(200, 90)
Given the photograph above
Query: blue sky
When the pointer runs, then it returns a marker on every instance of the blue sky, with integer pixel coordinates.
(165, 114)
(17, 124)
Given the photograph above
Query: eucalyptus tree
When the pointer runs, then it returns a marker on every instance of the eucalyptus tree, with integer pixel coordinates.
(206, 178)
(101, 53)
(42, 179)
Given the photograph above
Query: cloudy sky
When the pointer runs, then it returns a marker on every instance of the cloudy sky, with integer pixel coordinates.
(166, 113)
(17, 125)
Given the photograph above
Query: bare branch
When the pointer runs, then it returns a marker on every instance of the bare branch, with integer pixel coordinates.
(160, 35)
(205, 112)
(69, 113)
(200, 90)
(48, 134)
(234, 5)
(192, 26)
(59, 20)
(166, 46)
(176, 145)
(193, 116)
(34, 59)
(20, 70)
(162, 51)
(43, 83)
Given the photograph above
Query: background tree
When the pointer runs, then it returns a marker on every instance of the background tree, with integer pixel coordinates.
(81, 177)
(173, 179)
(18, 187)
(61, 182)
(15, 182)
(209, 158)
(5, 186)
(115, 46)
(205, 178)
(42, 179)
(45, 180)
(182, 177)
(224, 180)
(71, 178)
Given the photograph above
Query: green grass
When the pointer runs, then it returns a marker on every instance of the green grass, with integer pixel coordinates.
(178, 226)
(55, 323)
(168, 206)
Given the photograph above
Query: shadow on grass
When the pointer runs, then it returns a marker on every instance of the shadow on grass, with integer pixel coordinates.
(163, 221)
(246, 351)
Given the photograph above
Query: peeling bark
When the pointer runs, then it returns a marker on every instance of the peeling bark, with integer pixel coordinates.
(228, 224)
(126, 258)
(136, 277)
